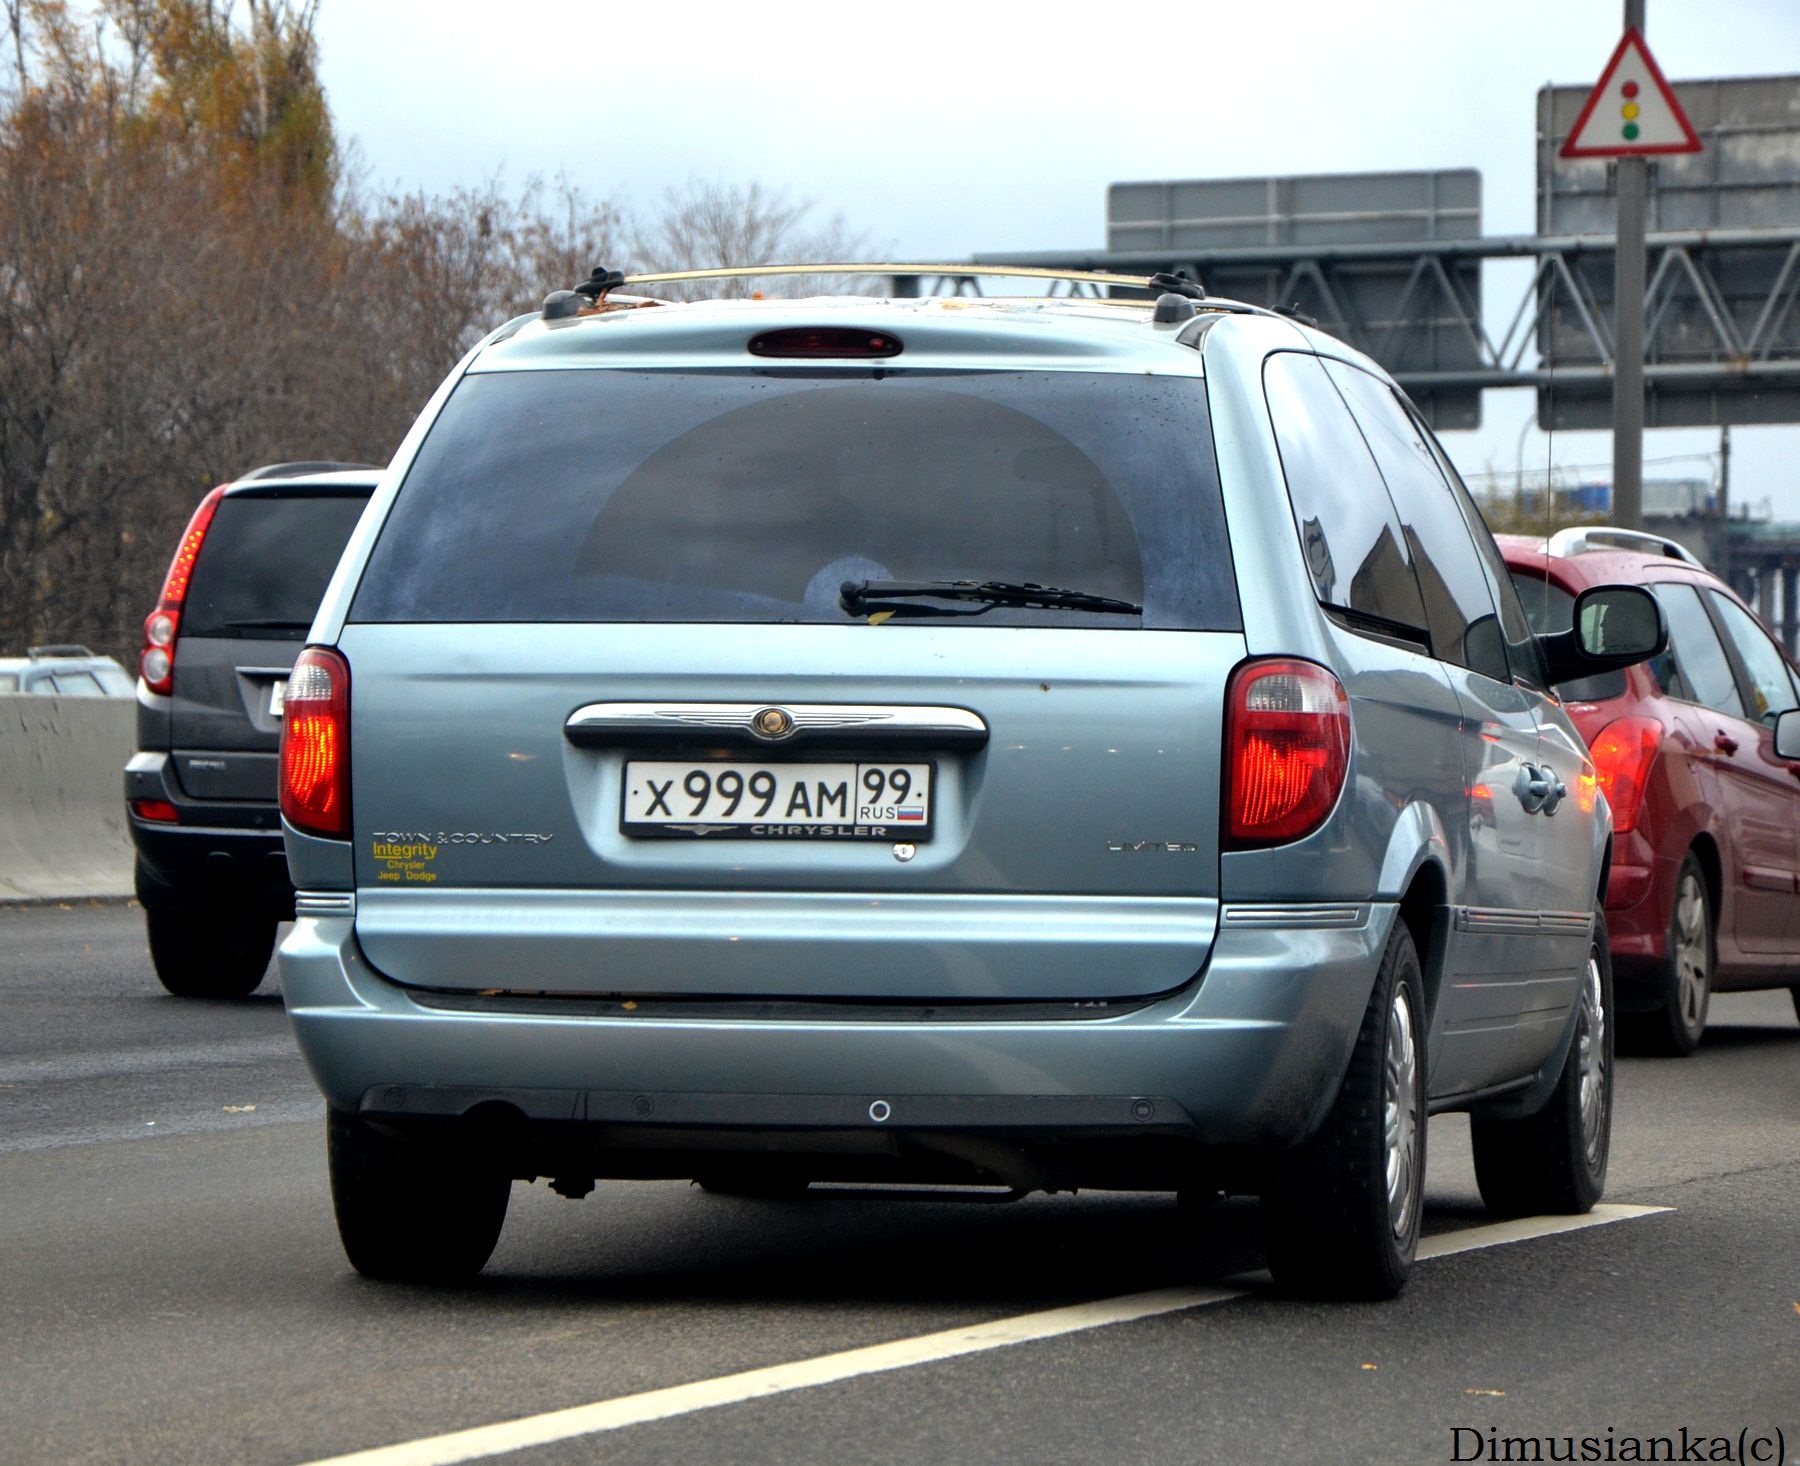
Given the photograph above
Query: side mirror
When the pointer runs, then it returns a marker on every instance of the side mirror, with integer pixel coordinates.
(1615, 626)
(1787, 734)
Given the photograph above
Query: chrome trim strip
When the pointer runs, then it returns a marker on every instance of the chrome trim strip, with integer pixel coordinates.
(1499, 921)
(1294, 917)
(324, 903)
(600, 723)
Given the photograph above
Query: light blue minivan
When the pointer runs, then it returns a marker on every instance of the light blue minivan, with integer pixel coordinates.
(1015, 744)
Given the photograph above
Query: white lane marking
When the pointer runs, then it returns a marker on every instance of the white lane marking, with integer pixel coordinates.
(1524, 1229)
(754, 1384)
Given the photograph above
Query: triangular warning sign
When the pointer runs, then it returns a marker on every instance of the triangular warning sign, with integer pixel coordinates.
(1632, 110)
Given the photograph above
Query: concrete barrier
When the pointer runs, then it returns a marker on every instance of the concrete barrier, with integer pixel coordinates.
(62, 799)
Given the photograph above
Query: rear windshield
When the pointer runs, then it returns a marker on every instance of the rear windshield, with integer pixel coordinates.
(600, 495)
(265, 563)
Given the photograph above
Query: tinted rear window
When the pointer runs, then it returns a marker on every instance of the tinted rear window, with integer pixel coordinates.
(670, 496)
(266, 562)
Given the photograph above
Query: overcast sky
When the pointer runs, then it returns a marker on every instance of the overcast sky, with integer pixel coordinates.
(939, 131)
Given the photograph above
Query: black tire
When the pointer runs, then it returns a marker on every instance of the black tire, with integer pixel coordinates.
(1341, 1213)
(1555, 1161)
(411, 1213)
(1672, 1029)
(210, 954)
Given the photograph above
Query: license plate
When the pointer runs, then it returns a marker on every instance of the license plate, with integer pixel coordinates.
(731, 800)
(278, 697)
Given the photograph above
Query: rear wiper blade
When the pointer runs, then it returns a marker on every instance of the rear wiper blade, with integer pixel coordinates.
(875, 597)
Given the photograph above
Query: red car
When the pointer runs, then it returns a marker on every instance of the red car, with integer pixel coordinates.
(1704, 889)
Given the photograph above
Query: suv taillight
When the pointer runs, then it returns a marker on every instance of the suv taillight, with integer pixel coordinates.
(157, 661)
(1287, 749)
(1622, 755)
(315, 745)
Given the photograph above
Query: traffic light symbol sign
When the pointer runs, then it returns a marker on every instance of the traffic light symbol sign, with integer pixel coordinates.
(1632, 110)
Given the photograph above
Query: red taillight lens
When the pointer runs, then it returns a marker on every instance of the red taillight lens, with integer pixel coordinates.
(157, 662)
(1287, 749)
(1623, 754)
(159, 810)
(813, 342)
(315, 745)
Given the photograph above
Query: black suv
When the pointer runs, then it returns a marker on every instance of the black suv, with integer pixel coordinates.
(201, 790)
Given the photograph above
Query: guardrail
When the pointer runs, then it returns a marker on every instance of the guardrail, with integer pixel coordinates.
(62, 804)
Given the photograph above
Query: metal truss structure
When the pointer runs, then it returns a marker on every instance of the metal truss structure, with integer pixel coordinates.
(1722, 333)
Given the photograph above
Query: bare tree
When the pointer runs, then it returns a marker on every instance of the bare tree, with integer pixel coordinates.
(705, 226)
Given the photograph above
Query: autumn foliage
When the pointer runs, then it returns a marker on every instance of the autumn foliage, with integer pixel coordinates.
(190, 286)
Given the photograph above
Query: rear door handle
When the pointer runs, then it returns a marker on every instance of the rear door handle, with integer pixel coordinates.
(1724, 742)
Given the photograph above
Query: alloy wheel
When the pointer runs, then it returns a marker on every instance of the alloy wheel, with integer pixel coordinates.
(1590, 1039)
(1400, 1114)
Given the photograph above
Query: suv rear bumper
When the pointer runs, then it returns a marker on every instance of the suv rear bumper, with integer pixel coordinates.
(218, 853)
(1251, 1055)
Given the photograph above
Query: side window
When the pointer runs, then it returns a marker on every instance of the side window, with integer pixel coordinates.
(1351, 537)
(1771, 689)
(1522, 652)
(1459, 607)
(75, 684)
(1695, 668)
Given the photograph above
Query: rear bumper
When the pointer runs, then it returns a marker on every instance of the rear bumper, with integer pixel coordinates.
(219, 852)
(1249, 1056)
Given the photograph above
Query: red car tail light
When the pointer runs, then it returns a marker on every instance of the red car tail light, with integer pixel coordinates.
(156, 663)
(158, 810)
(1287, 750)
(315, 745)
(1623, 753)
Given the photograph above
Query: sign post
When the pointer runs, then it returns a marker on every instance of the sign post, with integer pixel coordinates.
(1630, 115)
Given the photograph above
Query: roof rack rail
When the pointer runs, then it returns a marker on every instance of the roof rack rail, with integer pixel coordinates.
(57, 649)
(593, 291)
(1581, 538)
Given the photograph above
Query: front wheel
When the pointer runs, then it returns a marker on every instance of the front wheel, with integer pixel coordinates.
(409, 1213)
(1555, 1160)
(210, 954)
(1341, 1213)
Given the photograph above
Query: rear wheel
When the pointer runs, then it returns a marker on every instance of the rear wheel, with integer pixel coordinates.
(1675, 1025)
(1555, 1160)
(210, 954)
(1341, 1213)
(411, 1213)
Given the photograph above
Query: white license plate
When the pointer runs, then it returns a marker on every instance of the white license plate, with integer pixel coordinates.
(734, 800)
(278, 697)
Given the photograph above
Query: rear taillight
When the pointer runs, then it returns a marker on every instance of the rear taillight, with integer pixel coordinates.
(1287, 749)
(157, 662)
(1623, 754)
(315, 745)
(159, 811)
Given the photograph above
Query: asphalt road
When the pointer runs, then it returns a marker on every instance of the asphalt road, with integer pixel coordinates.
(171, 1288)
